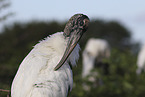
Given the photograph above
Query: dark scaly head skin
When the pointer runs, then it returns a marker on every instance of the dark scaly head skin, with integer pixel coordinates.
(78, 21)
(74, 29)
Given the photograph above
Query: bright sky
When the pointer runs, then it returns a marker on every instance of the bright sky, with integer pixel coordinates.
(131, 13)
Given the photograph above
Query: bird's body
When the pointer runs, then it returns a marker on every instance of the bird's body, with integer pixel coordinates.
(36, 76)
(46, 70)
(141, 61)
(95, 50)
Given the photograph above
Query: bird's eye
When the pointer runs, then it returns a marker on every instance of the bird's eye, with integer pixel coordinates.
(81, 23)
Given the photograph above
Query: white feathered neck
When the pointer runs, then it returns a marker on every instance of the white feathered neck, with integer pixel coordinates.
(58, 43)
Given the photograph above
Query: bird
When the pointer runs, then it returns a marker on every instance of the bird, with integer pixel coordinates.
(95, 51)
(141, 61)
(46, 70)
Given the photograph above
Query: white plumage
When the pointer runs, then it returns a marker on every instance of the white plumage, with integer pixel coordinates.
(141, 60)
(96, 49)
(46, 70)
(36, 76)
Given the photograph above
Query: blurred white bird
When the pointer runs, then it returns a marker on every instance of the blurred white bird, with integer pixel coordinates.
(39, 74)
(141, 61)
(95, 50)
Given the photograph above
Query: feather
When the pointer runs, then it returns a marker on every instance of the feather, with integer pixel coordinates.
(36, 76)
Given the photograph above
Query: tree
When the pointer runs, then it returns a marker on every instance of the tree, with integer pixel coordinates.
(115, 33)
(3, 5)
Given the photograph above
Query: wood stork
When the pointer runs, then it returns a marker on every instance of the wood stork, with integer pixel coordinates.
(95, 50)
(39, 74)
(141, 61)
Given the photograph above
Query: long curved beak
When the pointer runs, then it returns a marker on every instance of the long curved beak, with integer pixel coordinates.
(73, 40)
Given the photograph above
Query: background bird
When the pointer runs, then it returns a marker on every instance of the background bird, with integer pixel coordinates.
(95, 51)
(141, 61)
(42, 73)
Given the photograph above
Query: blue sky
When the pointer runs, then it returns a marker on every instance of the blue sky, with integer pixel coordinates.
(130, 13)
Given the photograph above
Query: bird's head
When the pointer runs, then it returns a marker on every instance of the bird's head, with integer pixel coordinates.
(74, 30)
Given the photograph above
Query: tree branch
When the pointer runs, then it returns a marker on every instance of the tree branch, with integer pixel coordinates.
(2, 90)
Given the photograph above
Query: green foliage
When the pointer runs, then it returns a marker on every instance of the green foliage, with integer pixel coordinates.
(113, 32)
(17, 40)
(121, 81)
